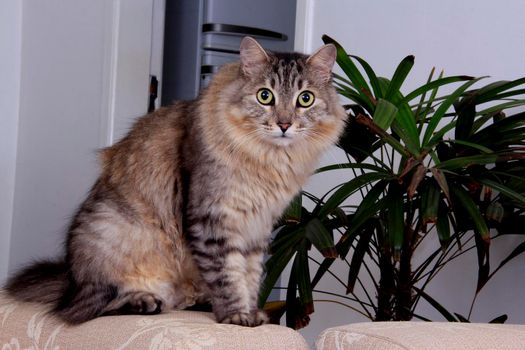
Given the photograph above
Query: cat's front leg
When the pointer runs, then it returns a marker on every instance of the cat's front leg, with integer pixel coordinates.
(232, 275)
(235, 299)
(254, 264)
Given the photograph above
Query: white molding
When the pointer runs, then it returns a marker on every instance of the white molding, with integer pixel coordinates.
(11, 16)
(157, 44)
(130, 94)
(303, 26)
(107, 123)
(127, 65)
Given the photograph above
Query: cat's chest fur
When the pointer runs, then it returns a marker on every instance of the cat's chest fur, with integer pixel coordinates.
(245, 197)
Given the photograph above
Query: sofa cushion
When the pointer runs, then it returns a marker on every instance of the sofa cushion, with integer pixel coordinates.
(422, 336)
(26, 325)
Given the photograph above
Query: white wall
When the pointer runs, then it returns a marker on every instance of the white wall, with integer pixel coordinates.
(10, 47)
(462, 37)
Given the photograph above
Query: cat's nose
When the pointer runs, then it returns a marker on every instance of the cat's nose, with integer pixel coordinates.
(283, 126)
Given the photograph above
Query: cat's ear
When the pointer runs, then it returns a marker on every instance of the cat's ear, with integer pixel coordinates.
(322, 61)
(253, 56)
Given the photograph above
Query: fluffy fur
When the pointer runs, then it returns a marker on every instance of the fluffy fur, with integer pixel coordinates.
(184, 206)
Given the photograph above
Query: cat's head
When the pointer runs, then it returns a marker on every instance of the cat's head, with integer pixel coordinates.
(279, 100)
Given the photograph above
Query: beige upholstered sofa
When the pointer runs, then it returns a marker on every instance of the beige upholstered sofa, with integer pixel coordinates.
(423, 336)
(27, 326)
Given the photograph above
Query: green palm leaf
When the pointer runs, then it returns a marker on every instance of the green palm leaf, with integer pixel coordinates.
(399, 77)
(348, 189)
(374, 81)
(443, 108)
(320, 237)
(435, 84)
(351, 71)
(384, 114)
(463, 198)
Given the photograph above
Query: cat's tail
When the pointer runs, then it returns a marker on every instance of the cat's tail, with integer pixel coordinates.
(41, 282)
(49, 282)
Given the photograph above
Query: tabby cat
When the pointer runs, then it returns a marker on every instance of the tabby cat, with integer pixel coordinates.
(183, 209)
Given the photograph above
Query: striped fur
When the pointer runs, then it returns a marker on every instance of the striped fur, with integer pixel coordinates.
(182, 211)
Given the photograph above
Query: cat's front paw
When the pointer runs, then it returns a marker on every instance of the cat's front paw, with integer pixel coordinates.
(260, 317)
(252, 319)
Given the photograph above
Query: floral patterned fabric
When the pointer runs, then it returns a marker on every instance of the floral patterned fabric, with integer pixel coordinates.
(422, 336)
(28, 326)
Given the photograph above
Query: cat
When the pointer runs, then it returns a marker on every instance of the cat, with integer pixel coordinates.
(183, 209)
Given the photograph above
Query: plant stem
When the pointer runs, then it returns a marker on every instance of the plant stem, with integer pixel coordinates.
(330, 272)
(441, 262)
(386, 283)
(361, 283)
(346, 287)
(403, 295)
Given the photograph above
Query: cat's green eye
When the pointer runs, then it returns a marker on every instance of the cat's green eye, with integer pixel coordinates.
(305, 99)
(265, 97)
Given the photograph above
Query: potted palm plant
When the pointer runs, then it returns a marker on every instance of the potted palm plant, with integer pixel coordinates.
(424, 164)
